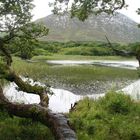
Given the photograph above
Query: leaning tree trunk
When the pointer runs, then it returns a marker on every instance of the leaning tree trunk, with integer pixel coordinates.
(11, 76)
(58, 123)
(125, 53)
(6, 53)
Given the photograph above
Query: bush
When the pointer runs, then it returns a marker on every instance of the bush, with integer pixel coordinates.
(38, 52)
(117, 103)
(113, 117)
(80, 48)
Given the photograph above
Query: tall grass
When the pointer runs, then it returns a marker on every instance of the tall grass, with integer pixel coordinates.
(71, 74)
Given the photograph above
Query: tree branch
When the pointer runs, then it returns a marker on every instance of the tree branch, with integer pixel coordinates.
(58, 123)
(119, 52)
(26, 87)
(119, 7)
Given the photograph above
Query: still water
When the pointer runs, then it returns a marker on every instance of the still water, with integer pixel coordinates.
(133, 64)
(62, 100)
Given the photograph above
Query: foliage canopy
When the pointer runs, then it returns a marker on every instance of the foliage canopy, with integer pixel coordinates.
(83, 8)
(16, 26)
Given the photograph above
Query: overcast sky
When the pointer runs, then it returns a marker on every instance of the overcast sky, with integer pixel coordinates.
(42, 9)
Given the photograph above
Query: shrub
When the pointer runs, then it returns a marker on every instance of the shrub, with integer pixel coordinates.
(113, 117)
(117, 103)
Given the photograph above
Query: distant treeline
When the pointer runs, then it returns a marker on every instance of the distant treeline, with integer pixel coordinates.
(75, 48)
(85, 48)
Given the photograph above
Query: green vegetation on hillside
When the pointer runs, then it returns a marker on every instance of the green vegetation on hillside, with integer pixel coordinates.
(78, 57)
(80, 48)
(77, 48)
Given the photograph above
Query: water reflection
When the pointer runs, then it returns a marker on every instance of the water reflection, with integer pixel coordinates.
(14, 95)
(133, 90)
(60, 101)
(121, 64)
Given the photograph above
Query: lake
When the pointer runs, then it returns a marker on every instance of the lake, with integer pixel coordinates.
(62, 100)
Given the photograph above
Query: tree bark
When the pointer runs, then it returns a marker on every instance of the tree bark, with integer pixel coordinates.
(58, 123)
(24, 86)
(6, 53)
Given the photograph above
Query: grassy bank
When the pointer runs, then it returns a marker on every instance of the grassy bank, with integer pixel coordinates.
(71, 74)
(79, 57)
(114, 117)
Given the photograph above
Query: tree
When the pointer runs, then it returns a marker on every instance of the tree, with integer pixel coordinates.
(17, 29)
(83, 8)
(134, 50)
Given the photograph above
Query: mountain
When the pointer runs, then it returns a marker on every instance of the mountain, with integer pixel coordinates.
(117, 28)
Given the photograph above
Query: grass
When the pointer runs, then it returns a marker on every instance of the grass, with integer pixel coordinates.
(71, 74)
(113, 117)
(80, 57)
(14, 128)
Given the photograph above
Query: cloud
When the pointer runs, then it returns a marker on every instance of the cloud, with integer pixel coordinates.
(131, 10)
(41, 8)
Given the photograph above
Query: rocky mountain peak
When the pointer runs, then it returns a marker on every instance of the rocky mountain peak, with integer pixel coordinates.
(118, 28)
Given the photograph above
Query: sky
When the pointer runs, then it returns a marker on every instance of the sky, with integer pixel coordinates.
(42, 9)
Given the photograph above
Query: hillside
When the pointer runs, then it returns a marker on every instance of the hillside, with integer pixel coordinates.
(118, 28)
